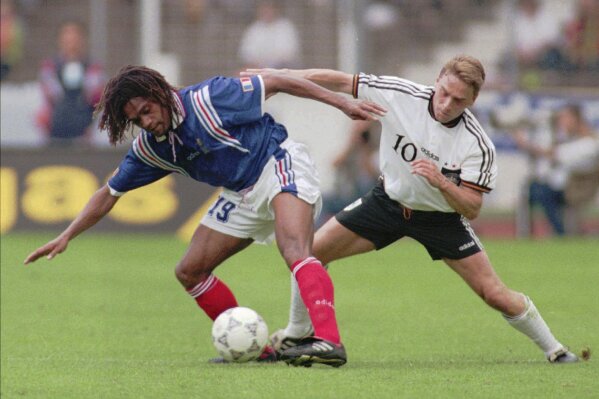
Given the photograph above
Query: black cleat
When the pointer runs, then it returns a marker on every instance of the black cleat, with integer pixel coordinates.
(562, 355)
(313, 350)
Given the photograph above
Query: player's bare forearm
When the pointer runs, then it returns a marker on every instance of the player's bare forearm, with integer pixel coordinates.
(97, 207)
(463, 200)
(355, 109)
(333, 80)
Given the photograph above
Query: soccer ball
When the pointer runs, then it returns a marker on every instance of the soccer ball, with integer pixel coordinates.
(239, 334)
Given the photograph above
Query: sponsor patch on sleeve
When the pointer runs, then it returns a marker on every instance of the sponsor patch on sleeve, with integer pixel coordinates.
(246, 84)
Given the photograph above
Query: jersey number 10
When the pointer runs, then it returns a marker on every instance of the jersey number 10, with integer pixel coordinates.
(408, 150)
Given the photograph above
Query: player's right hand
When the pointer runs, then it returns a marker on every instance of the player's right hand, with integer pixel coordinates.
(51, 249)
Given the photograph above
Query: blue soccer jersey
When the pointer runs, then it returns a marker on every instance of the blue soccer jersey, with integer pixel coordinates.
(222, 138)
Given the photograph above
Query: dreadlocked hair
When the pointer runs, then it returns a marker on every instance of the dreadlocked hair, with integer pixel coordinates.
(131, 81)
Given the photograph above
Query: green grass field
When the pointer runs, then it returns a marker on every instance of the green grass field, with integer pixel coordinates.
(107, 319)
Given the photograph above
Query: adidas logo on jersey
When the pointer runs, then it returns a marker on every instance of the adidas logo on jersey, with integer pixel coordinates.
(429, 154)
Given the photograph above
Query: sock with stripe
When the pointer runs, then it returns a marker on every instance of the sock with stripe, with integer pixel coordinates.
(316, 290)
(531, 324)
(213, 296)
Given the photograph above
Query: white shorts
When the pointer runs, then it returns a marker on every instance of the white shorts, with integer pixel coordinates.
(248, 213)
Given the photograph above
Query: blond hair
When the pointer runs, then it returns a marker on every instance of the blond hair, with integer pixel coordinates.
(468, 69)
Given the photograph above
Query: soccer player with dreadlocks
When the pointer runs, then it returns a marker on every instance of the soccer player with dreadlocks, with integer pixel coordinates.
(216, 132)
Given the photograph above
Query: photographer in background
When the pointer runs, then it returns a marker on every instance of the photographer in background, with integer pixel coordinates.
(11, 38)
(272, 40)
(71, 85)
(571, 164)
(356, 168)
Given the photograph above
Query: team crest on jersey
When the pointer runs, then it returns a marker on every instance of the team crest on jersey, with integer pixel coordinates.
(246, 84)
(453, 175)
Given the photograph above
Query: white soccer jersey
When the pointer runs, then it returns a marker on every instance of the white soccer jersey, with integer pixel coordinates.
(460, 149)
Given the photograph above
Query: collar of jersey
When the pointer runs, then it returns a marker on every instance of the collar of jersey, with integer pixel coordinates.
(177, 116)
(451, 123)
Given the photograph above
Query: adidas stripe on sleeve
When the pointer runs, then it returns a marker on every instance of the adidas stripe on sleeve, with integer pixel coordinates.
(479, 169)
(373, 87)
(141, 166)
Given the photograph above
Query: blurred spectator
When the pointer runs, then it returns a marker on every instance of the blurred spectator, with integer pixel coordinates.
(195, 10)
(11, 38)
(356, 168)
(71, 86)
(572, 159)
(536, 32)
(582, 36)
(270, 41)
(380, 16)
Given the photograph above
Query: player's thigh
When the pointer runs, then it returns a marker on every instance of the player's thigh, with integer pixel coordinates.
(294, 227)
(208, 249)
(334, 241)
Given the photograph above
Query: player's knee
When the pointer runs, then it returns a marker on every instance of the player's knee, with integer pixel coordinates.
(293, 253)
(496, 296)
(190, 275)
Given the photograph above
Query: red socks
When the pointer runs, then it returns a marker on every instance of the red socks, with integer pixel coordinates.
(316, 289)
(213, 296)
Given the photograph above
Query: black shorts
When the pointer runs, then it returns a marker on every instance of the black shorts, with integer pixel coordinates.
(381, 220)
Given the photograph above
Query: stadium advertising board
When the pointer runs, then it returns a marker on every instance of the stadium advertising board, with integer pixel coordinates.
(44, 189)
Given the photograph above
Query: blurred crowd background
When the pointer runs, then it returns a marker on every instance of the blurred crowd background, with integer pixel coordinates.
(523, 43)
(540, 104)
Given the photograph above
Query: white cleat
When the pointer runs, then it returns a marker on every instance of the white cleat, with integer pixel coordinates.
(279, 341)
(562, 355)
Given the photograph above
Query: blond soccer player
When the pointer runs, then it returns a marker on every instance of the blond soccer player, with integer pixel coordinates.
(436, 164)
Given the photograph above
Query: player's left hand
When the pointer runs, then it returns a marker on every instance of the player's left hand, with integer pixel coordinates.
(362, 110)
(427, 169)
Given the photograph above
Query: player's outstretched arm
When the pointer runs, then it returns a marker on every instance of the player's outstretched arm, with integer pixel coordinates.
(97, 207)
(355, 109)
(331, 79)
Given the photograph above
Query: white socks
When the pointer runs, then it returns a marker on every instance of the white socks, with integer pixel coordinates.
(531, 324)
(299, 319)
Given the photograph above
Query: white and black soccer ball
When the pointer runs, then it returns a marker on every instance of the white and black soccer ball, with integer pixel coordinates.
(239, 334)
